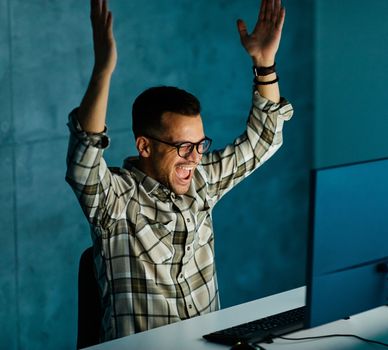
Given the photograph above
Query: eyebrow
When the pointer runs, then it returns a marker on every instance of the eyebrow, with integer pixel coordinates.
(187, 141)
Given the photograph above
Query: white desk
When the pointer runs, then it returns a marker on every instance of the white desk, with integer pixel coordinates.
(187, 335)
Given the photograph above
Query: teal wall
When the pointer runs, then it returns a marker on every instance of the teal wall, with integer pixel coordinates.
(45, 63)
(351, 81)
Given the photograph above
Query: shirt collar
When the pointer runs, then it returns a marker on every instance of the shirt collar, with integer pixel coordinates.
(150, 185)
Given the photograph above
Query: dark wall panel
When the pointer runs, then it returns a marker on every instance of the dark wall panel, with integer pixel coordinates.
(351, 76)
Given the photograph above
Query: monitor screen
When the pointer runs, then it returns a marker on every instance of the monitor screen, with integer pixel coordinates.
(348, 243)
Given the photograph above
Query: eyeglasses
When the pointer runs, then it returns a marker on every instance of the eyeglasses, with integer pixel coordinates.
(184, 149)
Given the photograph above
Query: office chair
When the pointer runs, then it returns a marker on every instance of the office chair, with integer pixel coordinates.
(89, 307)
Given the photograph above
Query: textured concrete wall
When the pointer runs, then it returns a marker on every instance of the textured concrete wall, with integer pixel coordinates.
(45, 63)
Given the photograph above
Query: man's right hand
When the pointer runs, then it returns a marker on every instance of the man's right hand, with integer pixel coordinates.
(105, 52)
(93, 107)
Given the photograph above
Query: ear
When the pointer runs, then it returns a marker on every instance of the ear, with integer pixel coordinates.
(143, 146)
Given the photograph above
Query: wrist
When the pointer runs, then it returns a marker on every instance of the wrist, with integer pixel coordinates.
(263, 62)
(263, 71)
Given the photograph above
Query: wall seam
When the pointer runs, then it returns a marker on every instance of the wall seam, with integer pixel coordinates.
(315, 87)
(316, 136)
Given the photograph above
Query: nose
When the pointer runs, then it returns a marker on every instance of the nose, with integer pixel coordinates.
(194, 156)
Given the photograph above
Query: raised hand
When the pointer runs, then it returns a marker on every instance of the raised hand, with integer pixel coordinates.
(92, 110)
(105, 52)
(263, 43)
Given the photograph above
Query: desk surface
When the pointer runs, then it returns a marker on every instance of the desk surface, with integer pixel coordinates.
(187, 334)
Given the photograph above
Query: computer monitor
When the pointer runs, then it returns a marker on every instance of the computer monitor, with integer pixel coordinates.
(348, 243)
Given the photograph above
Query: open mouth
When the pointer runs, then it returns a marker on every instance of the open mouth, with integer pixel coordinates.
(184, 172)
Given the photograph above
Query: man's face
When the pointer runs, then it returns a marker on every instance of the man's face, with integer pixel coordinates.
(165, 165)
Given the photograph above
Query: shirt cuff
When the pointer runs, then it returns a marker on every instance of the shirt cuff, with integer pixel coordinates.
(284, 107)
(98, 140)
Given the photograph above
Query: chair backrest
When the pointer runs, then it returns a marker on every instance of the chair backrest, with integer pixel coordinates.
(89, 305)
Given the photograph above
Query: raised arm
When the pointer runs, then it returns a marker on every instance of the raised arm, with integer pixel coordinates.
(92, 111)
(263, 43)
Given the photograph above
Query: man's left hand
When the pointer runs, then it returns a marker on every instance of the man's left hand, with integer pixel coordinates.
(263, 43)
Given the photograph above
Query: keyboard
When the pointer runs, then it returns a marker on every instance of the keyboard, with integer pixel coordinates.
(261, 330)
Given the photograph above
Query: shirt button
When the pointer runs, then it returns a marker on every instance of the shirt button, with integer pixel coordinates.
(190, 306)
(188, 248)
(188, 219)
(181, 276)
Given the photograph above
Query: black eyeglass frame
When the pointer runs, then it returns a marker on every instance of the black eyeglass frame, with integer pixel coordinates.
(179, 146)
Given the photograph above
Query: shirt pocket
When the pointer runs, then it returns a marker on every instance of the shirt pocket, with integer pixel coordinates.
(204, 227)
(153, 241)
(204, 245)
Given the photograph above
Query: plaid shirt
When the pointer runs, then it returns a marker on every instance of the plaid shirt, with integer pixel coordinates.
(154, 252)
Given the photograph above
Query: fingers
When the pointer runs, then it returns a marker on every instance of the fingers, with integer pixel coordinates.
(262, 10)
(109, 25)
(94, 11)
(99, 11)
(95, 7)
(104, 11)
(271, 11)
(280, 21)
(242, 29)
(277, 7)
(266, 10)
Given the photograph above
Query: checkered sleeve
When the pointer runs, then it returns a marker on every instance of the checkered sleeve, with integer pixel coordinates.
(263, 137)
(100, 193)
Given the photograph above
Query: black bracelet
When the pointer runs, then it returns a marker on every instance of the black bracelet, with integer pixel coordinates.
(256, 82)
(263, 71)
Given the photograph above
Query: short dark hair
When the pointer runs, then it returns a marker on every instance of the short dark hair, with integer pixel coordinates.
(149, 106)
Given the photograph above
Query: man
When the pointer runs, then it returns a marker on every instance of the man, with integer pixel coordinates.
(151, 219)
